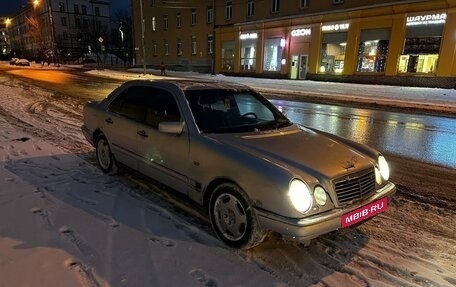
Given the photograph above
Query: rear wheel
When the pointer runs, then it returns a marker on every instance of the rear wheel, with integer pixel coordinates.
(105, 158)
(233, 218)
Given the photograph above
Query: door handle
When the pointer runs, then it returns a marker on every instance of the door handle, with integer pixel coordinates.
(142, 133)
(109, 121)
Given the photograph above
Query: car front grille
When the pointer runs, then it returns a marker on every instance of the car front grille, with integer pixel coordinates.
(355, 186)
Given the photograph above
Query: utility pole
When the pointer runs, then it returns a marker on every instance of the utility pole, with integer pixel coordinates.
(142, 35)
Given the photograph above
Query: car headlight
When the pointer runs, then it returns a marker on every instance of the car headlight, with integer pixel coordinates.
(320, 195)
(378, 177)
(300, 196)
(383, 167)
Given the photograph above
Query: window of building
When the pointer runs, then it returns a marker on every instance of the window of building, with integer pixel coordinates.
(179, 47)
(210, 14)
(272, 60)
(228, 55)
(77, 22)
(98, 25)
(84, 9)
(422, 47)
(62, 7)
(303, 4)
(248, 54)
(193, 17)
(333, 52)
(154, 48)
(165, 22)
(338, 2)
(152, 2)
(76, 9)
(194, 51)
(166, 46)
(373, 50)
(275, 6)
(179, 20)
(420, 55)
(228, 10)
(85, 23)
(250, 8)
(63, 20)
(97, 11)
(65, 36)
(153, 24)
(210, 44)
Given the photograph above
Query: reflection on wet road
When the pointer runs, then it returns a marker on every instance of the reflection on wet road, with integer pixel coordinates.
(424, 138)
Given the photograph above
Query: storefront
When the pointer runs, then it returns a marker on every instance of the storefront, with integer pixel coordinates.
(373, 50)
(333, 48)
(299, 52)
(422, 43)
(248, 43)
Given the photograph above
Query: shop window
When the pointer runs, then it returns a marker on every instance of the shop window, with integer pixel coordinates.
(228, 55)
(272, 55)
(248, 54)
(333, 57)
(372, 56)
(420, 55)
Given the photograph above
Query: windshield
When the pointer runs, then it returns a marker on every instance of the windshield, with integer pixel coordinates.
(233, 111)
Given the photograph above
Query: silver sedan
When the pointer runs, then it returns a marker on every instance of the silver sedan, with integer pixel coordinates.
(229, 149)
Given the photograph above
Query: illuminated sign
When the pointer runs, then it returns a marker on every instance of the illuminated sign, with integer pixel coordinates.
(248, 36)
(301, 32)
(335, 27)
(426, 19)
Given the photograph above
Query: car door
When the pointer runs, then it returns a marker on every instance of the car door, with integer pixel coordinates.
(164, 156)
(125, 114)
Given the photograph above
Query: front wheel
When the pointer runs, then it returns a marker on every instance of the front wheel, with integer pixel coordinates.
(105, 158)
(233, 218)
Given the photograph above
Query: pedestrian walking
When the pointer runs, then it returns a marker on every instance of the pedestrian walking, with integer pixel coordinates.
(162, 69)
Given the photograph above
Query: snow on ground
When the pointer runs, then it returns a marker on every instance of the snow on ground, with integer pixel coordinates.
(63, 220)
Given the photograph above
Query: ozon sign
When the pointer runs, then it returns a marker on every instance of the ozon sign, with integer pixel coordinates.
(301, 32)
(427, 19)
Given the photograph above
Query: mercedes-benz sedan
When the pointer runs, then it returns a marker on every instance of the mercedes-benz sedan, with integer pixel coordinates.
(230, 150)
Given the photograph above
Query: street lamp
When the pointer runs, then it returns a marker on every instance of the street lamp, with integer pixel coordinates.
(7, 22)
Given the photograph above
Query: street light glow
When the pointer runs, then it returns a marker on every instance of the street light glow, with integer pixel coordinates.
(36, 3)
(7, 22)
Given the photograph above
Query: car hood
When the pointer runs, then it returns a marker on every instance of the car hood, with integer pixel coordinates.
(299, 150)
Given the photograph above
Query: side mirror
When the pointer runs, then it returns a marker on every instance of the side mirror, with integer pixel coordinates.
(174, 128)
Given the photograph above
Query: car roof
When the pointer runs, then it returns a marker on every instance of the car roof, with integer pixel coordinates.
(192, 84)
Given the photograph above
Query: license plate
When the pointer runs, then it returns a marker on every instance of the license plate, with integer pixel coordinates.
(364, 212)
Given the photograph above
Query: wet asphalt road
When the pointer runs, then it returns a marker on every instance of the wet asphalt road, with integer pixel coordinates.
(429, 139)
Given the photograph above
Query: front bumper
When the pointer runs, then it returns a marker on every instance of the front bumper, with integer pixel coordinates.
(311, 227)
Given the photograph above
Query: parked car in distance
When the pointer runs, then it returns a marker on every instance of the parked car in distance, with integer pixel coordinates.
(230, 150)
(13, 61)
(22, 62)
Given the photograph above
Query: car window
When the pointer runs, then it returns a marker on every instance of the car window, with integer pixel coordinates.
(225, 111)
(130, 103)
(160, 106)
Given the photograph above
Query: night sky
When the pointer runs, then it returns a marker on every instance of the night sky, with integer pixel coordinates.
(9, 7)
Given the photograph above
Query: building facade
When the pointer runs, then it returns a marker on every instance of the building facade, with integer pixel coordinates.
(4, 38)
(66, 29)
(366, 41)
(179, 35)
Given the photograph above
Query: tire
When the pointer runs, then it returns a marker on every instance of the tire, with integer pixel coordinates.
(105, 158)
(233, 218)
